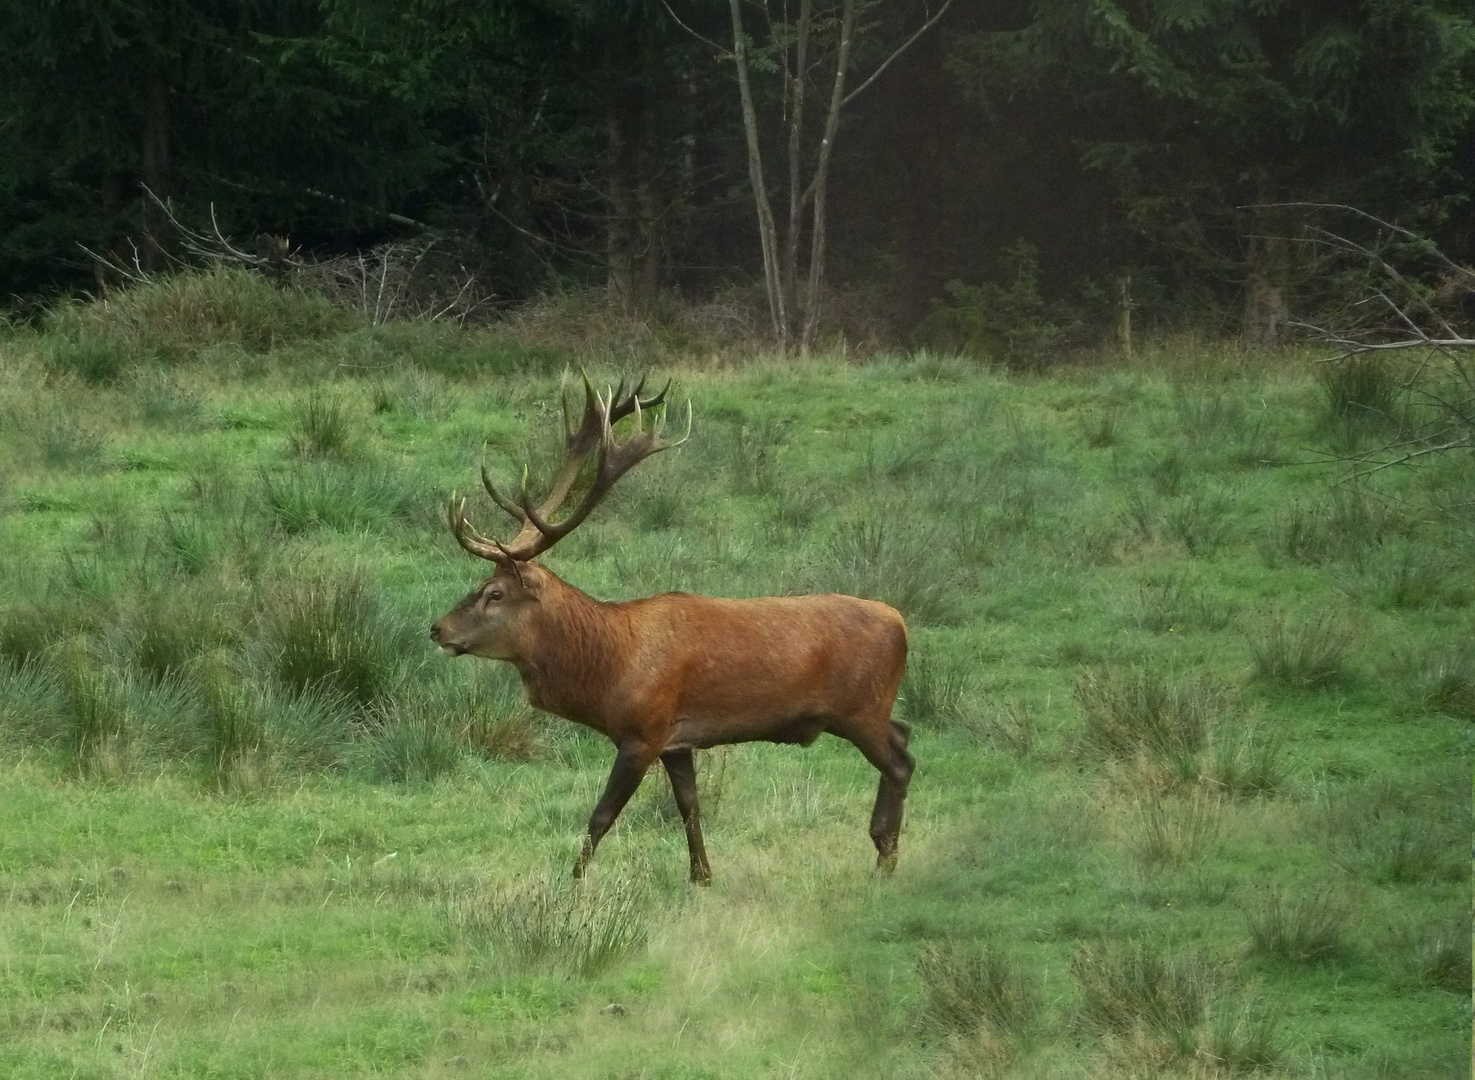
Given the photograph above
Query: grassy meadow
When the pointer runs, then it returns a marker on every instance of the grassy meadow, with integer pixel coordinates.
(1192, 718)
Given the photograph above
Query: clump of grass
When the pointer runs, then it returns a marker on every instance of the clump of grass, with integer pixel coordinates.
(91, 357)
(1408, 578)
(1312, 656)
(579, 927)
(1311, 930)
(1099, 428)
(1445, 682)
(1012, 724)
(29, 630)
(62, 440)
(321, 427)
(413, 749)
(32, 695)
(1245, 1039)
(1167, 471)
(882, 561)
(1136, 712)
(1346, 523)
(753, 458)
(336, 496)
(160, 399)
(1200, 521)
(1440, 956)
(95, 729)
(1175, 602)
(1168, 832)
(970, 987)
(1137, 989)
(165, 627)
(334, 637)
(937, 690)
(1361, 391)
(1247, 761)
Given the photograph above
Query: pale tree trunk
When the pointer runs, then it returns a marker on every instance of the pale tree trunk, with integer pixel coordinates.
(794, 101)
(767, 236)
(1266, 266)
(820, 184)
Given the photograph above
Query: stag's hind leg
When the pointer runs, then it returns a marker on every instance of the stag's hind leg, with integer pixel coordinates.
(681, 768)
(885, 747)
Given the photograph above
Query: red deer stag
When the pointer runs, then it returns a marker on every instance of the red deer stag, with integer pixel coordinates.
(674, 673)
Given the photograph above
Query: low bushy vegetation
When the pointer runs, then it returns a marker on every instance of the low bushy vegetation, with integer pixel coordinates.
(1191, 727)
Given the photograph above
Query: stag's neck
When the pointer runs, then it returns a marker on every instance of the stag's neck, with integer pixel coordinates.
(573, 653)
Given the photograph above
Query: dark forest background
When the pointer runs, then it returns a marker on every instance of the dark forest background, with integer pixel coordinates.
(1062, 160)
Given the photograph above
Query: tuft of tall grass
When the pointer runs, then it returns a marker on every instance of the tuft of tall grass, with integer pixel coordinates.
(1246, 761)
(579, 927)
(32, 695)
(1245, 1039)
(1012, 724)
(1311, 656)
(29, 630)
(62, 440)
(161, 400)
(1176, 602)
(970, 987)
(1137, 989)
(937, 690)
(1168, 831)
(417, 748)
(1136, 712)
(1440, 956)
(94, 358)
(905, 568)
(336, 496)
(753, 455)
(1201, 521)
(334, 637)
(1310, 930)
(1363, 391)
(320, 427)
(1445, 682)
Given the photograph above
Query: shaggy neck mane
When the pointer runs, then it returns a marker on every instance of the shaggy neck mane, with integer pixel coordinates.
(576, 641)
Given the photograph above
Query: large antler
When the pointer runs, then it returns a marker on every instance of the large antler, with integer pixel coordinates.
(594, 436)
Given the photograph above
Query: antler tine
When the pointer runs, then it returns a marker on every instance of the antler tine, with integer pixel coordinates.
(497, 497)
(469, 538)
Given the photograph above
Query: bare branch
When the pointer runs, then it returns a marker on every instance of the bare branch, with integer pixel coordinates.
(928, 25)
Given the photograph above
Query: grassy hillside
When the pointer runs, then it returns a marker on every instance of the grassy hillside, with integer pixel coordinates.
(1193, 725)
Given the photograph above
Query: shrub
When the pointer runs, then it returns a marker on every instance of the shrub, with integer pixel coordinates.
(1008, 320)
(1445, 682)
(336, 496)
(1200, 521)
(882, 561)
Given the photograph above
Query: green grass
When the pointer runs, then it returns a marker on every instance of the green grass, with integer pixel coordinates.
(1192, 729)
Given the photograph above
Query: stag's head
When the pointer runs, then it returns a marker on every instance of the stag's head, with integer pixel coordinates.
(493, 619)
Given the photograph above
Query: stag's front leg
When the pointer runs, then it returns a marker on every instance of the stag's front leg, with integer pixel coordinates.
(631, 761)
(681, 768)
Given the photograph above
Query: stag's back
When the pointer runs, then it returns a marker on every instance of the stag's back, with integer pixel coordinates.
(742, 669)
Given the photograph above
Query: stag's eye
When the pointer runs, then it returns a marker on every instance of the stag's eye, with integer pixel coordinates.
(494, 594)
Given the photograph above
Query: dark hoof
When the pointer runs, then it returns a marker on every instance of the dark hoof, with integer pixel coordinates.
(886, 862)
(704, 880)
